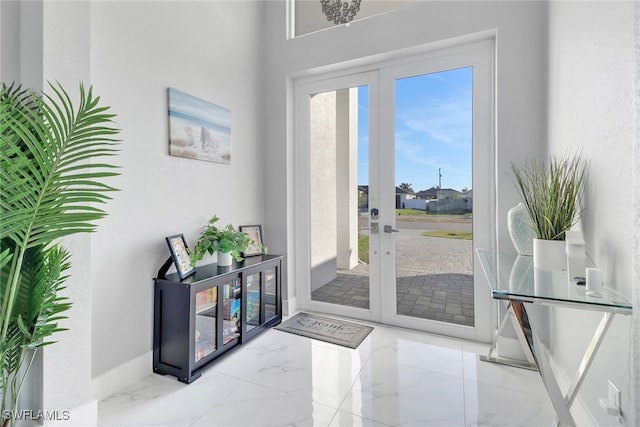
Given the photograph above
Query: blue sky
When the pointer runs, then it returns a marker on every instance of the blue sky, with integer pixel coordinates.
(432, 130)
(199, 112)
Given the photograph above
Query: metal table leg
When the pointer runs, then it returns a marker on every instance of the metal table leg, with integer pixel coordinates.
(585, 364)
(536, 356)
(538, 359)
(493, 355)
(544, 367)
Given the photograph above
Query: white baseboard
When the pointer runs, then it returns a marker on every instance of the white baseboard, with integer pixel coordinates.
(121, 376)
(289, 306)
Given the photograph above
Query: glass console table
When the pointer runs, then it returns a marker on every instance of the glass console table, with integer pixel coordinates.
(515, 281)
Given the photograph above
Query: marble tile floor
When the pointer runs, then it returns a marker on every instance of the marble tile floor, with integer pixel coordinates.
(395, 378)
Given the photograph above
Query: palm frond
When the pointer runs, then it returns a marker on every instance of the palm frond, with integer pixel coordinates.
(50, 188)
(10, 352)
(52, 178)
(46, 305)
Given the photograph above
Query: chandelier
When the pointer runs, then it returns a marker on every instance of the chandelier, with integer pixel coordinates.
(340, 12)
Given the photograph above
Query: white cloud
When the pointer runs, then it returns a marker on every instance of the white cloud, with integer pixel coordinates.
(414, 152)
(448, 123)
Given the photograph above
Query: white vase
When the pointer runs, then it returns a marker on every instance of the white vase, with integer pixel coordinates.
(519, 226)
(549, 255)
(521, 275)
(224, 259)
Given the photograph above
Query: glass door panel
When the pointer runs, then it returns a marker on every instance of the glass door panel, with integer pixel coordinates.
(232, 300)
(252, 315)
(339, 197)
(436, 188)
(206, 331)
(270, 294)
(434, 196)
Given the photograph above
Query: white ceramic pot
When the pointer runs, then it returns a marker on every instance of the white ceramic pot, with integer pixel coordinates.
(224, 259)
(549, 255)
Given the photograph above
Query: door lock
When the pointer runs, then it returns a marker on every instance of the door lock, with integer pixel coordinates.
(373, 229)
(374, 213)
(388, 229)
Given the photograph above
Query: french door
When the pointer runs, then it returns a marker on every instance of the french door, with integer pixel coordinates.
(394, 188)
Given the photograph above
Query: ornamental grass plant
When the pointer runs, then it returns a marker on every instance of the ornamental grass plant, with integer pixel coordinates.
(552, 193)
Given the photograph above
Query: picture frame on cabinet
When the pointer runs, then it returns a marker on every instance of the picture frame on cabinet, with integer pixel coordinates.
(180, 255)
(255, 234)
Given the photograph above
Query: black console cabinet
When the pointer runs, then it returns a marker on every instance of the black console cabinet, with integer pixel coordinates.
(215, 310)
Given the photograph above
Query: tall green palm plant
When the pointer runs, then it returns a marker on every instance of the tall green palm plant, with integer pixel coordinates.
(49, 189)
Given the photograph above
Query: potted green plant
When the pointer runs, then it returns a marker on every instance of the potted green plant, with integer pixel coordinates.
(552, 194)
(49, 188)
(227, 242)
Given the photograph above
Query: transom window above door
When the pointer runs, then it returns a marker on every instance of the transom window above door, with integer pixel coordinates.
(307, 16)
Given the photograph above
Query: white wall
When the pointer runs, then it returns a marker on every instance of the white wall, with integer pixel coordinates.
(635, 278)
(591, 62)
(333, 202)
(211, 50)
(347, 178)
(67, 365)
(323, 200)
(9, 41)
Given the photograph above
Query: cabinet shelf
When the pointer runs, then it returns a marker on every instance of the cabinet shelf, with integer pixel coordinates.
(206, 310)
(217, 309)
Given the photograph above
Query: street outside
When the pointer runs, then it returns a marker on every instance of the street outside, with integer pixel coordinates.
(434, 274)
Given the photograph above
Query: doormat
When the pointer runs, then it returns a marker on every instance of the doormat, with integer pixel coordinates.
(326, 329)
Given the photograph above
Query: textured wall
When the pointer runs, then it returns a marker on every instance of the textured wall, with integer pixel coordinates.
(590, 111)
(211, 50)
(636, 218)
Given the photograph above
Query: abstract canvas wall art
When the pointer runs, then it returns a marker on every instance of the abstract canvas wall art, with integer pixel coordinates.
(198, 129)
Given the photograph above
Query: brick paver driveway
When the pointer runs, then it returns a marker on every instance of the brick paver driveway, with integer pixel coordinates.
(434, 277)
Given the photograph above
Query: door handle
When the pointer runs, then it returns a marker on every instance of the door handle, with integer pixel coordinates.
(388, 229)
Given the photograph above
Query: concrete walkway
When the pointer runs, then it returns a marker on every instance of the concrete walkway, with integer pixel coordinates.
(434, 279)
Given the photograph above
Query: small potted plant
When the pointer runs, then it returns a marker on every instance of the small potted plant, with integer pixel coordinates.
(227, 242)
(551, 194)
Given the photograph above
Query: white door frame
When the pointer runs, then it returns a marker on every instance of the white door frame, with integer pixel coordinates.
(380, 77)
(479, 55)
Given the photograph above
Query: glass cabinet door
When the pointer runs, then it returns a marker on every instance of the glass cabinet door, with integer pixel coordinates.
(232, 297)
(206, 329)
(270, 296)
(252, 319)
